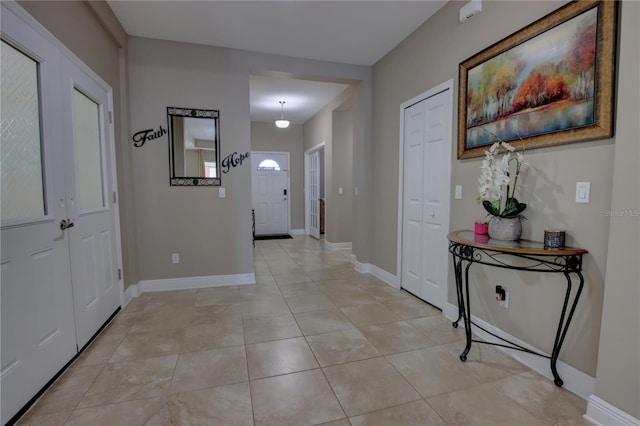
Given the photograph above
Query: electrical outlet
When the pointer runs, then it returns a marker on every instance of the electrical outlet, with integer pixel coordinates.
(502, 296)
(505, 301)
(175, 257)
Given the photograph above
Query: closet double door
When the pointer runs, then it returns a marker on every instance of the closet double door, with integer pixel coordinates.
(59, 256)
(425, 202)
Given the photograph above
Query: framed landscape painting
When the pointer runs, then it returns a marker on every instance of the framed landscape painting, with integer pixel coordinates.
(550, 83)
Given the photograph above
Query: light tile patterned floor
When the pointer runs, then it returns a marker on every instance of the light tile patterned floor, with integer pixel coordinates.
(313, 342)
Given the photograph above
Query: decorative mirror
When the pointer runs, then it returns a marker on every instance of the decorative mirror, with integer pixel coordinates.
(194, 146)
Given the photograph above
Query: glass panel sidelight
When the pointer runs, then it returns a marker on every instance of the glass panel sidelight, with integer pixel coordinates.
(21, 163)
(88, 152)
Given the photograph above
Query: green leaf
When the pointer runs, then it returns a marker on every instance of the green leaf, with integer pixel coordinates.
(514, 210)
(489, 207)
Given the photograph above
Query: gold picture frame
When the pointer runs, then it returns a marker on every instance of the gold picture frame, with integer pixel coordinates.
(550, 83)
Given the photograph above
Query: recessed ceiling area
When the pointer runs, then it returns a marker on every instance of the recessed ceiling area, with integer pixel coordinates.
(351, 32)
(303, 98)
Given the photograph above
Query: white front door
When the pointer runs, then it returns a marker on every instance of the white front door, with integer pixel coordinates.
(38, 333)
(270, 192)
(426, 183)
(314, 193)
(56, 164)
(93, 247)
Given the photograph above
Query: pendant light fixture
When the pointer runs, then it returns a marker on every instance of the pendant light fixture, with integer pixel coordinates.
(282, 123)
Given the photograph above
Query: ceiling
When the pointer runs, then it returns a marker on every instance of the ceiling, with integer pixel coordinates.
(352, 32)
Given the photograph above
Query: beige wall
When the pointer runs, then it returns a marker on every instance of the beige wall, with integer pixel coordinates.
(431, 56)
(338, 169)
(339, 224)
(92, 32)
(618, 373)
(212, 235)
(267, 137)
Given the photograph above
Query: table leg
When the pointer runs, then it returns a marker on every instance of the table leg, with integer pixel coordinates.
(466, 308)
(564, 326)
(457, 268)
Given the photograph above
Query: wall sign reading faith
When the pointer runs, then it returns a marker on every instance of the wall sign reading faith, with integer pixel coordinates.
(142, 136)
(233, 160)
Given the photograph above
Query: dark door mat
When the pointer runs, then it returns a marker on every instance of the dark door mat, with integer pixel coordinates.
(273, 237)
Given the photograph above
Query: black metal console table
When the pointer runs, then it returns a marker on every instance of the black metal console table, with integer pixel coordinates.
(468, 248)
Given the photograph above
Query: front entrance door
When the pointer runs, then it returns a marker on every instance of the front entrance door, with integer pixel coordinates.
(426, 183)
(91, 206)
(270, 192)
(38, 333)
(59, 266)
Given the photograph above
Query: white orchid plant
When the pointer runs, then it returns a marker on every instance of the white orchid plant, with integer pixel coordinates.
(497, 182)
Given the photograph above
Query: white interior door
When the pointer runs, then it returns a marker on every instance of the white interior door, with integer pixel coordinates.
(427, 155)
(413, 198)
(92, 240)
(38, 333)
(314, 194)
(270, 192)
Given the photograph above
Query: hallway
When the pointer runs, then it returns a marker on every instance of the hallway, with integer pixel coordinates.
(312, 342)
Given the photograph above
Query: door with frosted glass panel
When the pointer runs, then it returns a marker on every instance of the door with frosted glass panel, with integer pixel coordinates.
(38, 332)
(314, 194)
(91, 201)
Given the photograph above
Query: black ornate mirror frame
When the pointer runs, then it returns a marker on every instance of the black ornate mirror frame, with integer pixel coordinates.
(193, 113)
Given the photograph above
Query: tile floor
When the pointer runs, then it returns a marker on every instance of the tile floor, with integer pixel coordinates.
(313, 342)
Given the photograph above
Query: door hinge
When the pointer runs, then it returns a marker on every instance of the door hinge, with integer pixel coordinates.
(115, 197)
(119, 274)
(110, 117)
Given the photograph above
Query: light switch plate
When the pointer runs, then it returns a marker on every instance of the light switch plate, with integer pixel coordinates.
(339, 191)
(458, 194)
(221, 193)
(583, 192)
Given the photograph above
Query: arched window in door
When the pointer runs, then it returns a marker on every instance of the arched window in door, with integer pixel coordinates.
(269, 164)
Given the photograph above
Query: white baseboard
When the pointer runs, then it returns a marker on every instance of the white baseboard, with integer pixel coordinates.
(337, 246)
(196, 282)
(381, 274)
(296, 232)
(600, 412)
(363, 268)
(385, 276)
(131, 292)
(574, 380)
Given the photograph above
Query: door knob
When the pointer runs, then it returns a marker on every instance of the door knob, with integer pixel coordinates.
(66, 224)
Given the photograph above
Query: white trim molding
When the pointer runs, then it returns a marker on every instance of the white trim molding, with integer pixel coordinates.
(600, 412)
(574, 380)
(379, 273)
(187, 283)
(385, 276)
(129, 294)
(337, 246)
(296, 232)
(196, 282)
(363, 268)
